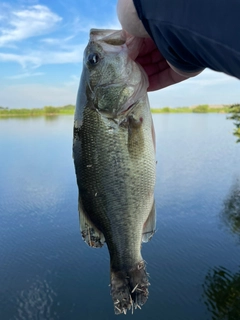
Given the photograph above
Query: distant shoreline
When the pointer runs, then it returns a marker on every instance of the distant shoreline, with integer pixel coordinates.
(69, 110)
(37, 112)
(203, 108)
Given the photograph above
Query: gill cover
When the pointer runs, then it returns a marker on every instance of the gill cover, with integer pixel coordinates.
(111, 81)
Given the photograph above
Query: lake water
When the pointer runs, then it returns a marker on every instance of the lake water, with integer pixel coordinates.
(48, 272)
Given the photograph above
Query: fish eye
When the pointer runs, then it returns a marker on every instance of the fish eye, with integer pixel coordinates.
(93, 58)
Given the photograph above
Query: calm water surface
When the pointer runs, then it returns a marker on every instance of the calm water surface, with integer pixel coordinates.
(48, 272)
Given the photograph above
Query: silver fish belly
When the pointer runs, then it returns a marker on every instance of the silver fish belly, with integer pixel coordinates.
(114, 158)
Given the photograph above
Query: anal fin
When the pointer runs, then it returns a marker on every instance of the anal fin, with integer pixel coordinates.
(90, 233)
(149, 226)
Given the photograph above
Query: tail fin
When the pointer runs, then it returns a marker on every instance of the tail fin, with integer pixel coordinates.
(129, 289)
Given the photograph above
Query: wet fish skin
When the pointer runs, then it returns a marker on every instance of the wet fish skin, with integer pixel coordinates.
(114, 161)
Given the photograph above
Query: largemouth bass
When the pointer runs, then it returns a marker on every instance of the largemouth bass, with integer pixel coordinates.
(114, 157)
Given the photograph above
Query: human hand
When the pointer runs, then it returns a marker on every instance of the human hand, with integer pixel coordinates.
(160, 72)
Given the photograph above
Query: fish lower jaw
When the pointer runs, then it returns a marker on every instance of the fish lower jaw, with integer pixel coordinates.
(129, 288)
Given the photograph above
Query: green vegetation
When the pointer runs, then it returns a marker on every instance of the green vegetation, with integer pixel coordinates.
(172, 110)
(69, 109)
(235, 111)
(205, 108)
(222, 294)
(201, 109)
(46, 111)
(224, 109)
(166, 109)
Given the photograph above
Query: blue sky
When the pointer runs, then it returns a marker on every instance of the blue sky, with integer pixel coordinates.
(41, 48)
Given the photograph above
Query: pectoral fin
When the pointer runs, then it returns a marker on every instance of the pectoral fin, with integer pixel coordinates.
(149, 227)
(90, 234)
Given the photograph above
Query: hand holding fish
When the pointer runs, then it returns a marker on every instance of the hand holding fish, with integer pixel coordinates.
(160, 72)
(176, 44)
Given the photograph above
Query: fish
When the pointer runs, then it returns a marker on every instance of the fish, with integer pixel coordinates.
(115, 165)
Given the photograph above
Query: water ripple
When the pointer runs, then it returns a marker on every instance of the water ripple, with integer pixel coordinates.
(36, 302)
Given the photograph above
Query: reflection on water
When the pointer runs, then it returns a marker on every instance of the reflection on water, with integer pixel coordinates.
(221, 286)
(36, 302)
(231, 211)
(222, 294)
(51, 118)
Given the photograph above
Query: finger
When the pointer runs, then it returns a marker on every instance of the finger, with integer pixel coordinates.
(151, 58)
(164, 79)
(148, 46)
(156, 68)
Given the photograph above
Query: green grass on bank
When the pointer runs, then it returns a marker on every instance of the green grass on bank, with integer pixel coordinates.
(69, 110)
(172, 110)
(205, 108)
(46, 111)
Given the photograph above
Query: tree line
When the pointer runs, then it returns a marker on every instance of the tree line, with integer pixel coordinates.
(47, 110)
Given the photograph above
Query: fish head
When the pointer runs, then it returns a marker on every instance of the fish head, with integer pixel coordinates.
(114, 81)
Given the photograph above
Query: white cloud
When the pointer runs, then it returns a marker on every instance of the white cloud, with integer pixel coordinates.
(25, 23)
(26, 75)
(57, 41)
(73, 55)
(20, 24)
(67, 45)
(21, 59)
(35, 59)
